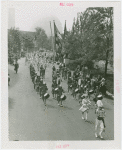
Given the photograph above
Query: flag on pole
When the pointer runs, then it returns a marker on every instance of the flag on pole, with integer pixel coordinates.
(58, 39)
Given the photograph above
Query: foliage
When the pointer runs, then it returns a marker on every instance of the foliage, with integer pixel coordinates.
(27, 42)
(91, 37)
(42, 40)
(14, 42)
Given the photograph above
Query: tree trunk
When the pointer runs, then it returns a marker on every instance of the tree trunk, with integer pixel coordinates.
(106, 63)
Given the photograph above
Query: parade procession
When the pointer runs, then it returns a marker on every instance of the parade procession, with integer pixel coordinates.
(58, 87)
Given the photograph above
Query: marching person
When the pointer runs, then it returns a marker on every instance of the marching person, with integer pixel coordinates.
(40, 87)
(37, 84)
(43, 73)
(85, 107)
(53, 68)
(35, 77)
(81, 91)
(44, 90)
(65, 73)
(103, 88)
(99, 101)
(60, 92)
(41, 68)
(69, 82)
(100, 115)
(54, 86)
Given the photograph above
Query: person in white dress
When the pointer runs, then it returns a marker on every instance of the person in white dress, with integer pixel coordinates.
(85, 107)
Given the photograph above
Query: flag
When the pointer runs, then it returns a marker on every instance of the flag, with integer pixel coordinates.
(58, 39)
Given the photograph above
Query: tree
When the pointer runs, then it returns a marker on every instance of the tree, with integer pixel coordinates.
(14, 42)
(28, 42)
(42, 39)
(105, 27)
(91, 37)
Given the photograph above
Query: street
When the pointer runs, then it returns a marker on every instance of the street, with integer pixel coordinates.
(30, 120)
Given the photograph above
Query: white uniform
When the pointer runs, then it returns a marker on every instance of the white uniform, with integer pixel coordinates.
(99, 103)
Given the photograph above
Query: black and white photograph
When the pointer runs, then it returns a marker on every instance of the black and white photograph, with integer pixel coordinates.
(61, 72)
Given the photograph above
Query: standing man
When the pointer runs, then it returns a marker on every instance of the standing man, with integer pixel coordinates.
(16, 66)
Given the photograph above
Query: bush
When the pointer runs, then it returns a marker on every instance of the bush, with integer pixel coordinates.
(73, 66)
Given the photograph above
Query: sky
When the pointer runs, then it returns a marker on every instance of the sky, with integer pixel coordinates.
(32, 15)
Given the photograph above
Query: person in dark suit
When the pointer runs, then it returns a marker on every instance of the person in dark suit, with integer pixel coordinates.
(44, 90)
(60, 92)
(16, 66)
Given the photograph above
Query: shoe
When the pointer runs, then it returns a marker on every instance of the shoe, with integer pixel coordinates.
(101, 136)
(96, 135)
(83, 118)
(58, 104)
(61, 105)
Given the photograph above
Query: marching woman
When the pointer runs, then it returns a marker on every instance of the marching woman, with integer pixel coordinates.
(85, 107)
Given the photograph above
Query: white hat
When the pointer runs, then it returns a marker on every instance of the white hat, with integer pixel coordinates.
(100, 97)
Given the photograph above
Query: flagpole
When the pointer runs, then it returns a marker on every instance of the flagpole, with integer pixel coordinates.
(54, 40)
(52, 43)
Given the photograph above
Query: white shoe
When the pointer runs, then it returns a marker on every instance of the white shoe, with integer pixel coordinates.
(58, 104)
(101, 137)
(96, 135)
(61, 105)
(83, 118)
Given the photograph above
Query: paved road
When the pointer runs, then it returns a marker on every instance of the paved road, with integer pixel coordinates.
(30, 120)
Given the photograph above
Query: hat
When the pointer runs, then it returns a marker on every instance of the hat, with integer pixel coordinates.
(99, 97)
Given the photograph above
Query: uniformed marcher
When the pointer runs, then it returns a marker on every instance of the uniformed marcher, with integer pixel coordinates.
(69, 82)
(44, 90)
(40, 87)
(100, 115)
(54, 86)
(59, 94)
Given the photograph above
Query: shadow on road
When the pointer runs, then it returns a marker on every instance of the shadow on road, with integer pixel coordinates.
(11, 103)
(67, 108)
(50, 106)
